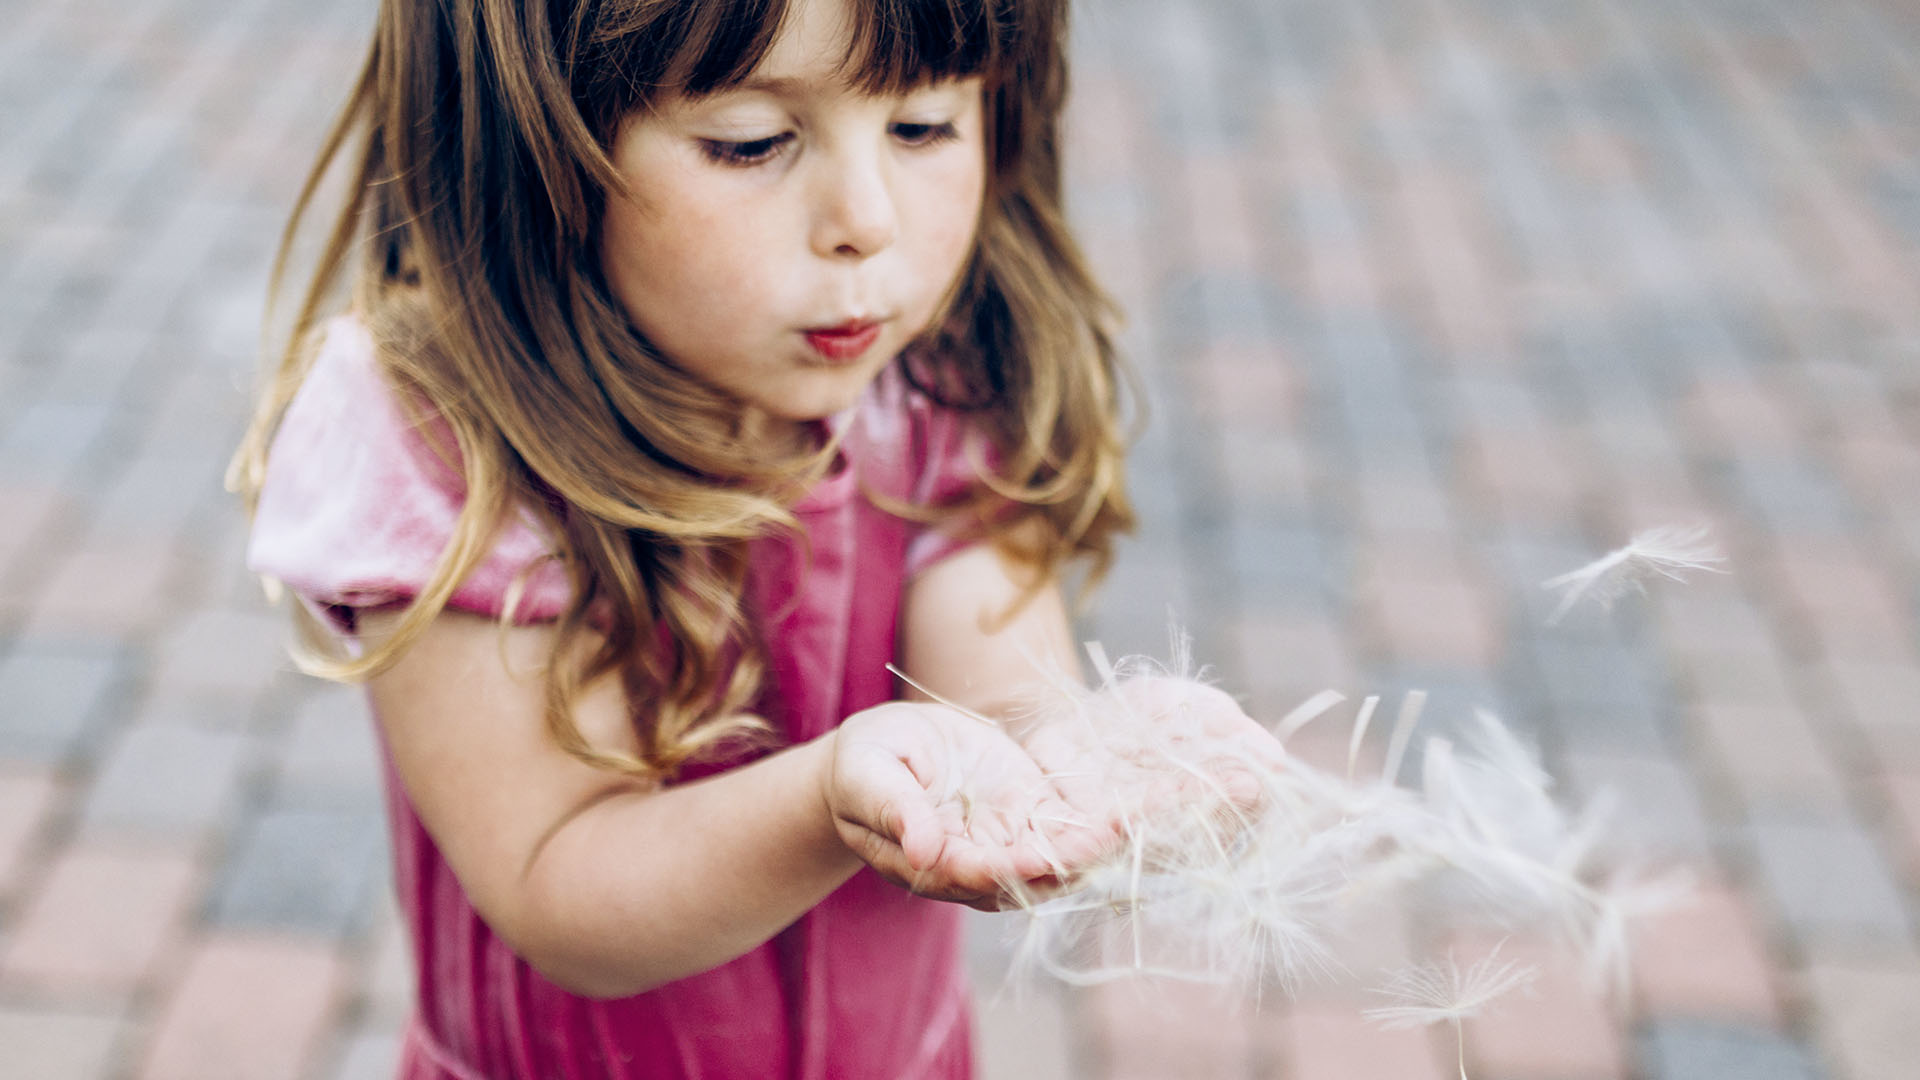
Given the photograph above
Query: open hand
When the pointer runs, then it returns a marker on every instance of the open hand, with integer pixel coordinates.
(950, 807)
(1155, 748)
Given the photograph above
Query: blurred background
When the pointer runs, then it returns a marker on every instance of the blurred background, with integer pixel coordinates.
(1433, 300)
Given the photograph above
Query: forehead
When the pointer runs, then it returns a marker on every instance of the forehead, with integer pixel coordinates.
(815, 42)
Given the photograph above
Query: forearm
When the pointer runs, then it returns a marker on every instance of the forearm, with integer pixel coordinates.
(641, 888)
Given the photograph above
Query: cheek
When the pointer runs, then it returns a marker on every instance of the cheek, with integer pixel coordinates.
(682, 262)
(950, 209)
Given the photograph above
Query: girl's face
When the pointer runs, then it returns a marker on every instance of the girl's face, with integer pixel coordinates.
(788, 236)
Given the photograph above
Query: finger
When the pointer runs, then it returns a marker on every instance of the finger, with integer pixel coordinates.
(892, 806)
(989, 828)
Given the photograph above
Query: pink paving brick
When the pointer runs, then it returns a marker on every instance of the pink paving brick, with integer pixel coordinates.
(27, 795)
(385, 981)
(1150, 1030)
(1903, 798)
(1429, 608)
(1267, 464)
(1772, 756)
(26, 509)
(1447, 221)
(1878, 468)
(1220, 230)
(1736, 414)
(1558, 1030)
(1855, 396)
(111, 587)
(1025, 1036)
(1879, 699)
(1855, 608)
(1287, 660)
(1599, 154)
(1745, 679)
(1335, 1042)
(1869, 1014)
(1878, 629)
(1529, 475)
(1827, 572)
(1705, 960)
(245, 1008)
(99, 919)
(1103, 113)
(1705, 618)
(1439, 622)
(1246, 381)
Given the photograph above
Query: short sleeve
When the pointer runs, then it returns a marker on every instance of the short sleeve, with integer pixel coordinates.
(356, 509)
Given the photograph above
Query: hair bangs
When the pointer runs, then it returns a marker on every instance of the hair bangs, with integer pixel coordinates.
(897, 45)
(631, 50)
(637, 48)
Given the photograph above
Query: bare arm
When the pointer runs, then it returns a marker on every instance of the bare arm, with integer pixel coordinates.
(604, 885)
(610, 887)
(958, 641)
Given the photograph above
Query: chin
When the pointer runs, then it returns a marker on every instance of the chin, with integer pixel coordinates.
(824, 392)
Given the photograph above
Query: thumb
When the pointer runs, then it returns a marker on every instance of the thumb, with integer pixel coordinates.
(890, 803)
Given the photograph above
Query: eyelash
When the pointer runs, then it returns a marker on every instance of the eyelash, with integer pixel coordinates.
(759, 151)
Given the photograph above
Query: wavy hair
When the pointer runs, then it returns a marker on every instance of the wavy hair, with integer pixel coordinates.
(475, 147)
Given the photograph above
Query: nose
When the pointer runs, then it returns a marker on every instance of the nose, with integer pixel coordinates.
(855, 215)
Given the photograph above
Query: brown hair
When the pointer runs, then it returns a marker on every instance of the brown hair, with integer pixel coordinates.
(468, 242)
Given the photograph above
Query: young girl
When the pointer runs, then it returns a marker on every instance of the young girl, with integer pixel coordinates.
(686, 353)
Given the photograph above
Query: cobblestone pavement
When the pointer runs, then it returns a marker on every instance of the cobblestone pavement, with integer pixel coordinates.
(1433, 299)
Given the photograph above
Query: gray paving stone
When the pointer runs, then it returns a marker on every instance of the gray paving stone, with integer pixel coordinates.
(1501, 404)
(216, 713)
(53, 438)
(1587, 672)
(1417, 507)
(1898, 200)
(223, 652)
(1697, 1050)
(1598, 698)
(1201, 308)
(1454, 695)
(157, 495)
(1793, 495)
(330, 757)
(1521, 561)
(1829, 881)
(56, 1044)
(1659, 818)
(1274, 563)
(166, 780)
(312, 871)
(368, 1055)
(54, 696)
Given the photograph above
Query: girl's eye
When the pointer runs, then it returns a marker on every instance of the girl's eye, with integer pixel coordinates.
(745, 153)
(925, 134)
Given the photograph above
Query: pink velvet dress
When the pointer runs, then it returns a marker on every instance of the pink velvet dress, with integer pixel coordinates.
(868, 984)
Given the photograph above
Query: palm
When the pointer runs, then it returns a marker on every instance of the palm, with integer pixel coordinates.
(949, 806)
(1153, 747)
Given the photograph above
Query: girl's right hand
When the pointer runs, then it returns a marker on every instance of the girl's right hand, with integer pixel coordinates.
(949, 807)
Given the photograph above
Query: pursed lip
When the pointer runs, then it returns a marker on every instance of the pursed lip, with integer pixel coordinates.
(845, 341)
